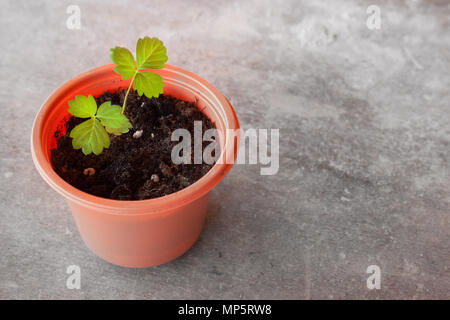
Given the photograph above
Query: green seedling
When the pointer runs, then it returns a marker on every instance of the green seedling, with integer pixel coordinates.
(91, 136)
(150, 54)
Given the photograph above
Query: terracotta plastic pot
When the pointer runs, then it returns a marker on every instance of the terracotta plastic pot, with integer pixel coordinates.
(140, 233)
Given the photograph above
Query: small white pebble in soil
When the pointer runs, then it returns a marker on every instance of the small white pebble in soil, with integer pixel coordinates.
(89, 172)
(138, 134)
(153, 135)
(155, 178)
(142, 104)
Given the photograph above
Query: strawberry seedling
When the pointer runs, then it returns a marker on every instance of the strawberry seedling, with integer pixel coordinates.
(91, 136)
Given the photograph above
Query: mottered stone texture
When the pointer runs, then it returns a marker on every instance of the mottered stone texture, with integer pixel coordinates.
(364, 119)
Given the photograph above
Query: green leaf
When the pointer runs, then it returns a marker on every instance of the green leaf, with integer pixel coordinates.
(83, 107)
(124, 129)
(124, 60)
(90, 136)
(150, 53)
(148, 83)
(111, 115)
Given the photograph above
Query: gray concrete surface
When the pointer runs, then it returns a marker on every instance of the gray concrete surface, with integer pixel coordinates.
(364, 151)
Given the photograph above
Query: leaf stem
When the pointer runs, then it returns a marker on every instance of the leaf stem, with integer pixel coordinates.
(128, 91)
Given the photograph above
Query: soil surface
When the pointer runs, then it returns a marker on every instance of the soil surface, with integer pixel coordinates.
(135, 168)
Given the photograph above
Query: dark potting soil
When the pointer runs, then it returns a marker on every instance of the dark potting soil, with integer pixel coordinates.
(134, 168)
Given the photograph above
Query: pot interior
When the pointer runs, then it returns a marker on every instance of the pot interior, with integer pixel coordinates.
(176, 84)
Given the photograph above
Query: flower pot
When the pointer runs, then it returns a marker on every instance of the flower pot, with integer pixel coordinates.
(140, 233)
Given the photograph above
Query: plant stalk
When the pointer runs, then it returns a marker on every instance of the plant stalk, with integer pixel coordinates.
(128, 91)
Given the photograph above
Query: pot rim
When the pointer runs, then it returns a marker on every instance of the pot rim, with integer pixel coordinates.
(134, 207)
